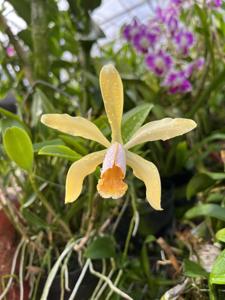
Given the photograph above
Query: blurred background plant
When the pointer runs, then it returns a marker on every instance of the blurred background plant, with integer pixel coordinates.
(172, 64)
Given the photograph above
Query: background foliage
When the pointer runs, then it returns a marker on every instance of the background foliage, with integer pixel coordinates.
(145, 253)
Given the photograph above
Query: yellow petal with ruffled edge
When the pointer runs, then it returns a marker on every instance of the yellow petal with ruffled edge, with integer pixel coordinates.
(161, 130)
(78, 171)
(76, 126)
(112, 94)
(148, 173)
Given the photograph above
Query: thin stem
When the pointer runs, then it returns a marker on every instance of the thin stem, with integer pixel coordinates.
(115, 283)
(129, 235)
(39, 26)
(3, 294)
(100, 280)
(48, 207)
(80, 279)
(132, 222)
(109, 282)
(96, 296)
(10, 213)
(21, 271)
(55, 268)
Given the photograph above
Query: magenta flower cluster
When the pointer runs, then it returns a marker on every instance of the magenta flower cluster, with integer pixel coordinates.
(166, 44)
(214, 3)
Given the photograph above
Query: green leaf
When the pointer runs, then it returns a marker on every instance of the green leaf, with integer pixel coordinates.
(149, 239)
(220, 235)
(11, 120)
(133, 119)
(8, 123)
(9, 114)
(38, 146)
(217, 275)
(60, 151)
(207, 210)
(193, 269)
(181, 155)
(76, 144)
(40, 105)
(18, 147)
(216, 176)
(34, 220)
(101, 247)
(198, 183)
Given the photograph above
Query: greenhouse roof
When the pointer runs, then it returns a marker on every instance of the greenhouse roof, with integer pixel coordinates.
(112, 14)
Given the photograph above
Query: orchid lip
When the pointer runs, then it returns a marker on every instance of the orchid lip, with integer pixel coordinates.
(111, 184)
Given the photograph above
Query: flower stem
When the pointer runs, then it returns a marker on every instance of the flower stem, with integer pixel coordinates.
(132, 222)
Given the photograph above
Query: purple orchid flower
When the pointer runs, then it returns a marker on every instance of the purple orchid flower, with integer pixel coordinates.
(184, 40)
(159, 63)
(173, 25)
(176, 2)
(130, 30)
(162, 15)
(145, 38)
(215, 3)
(176, 82)
(196, 65)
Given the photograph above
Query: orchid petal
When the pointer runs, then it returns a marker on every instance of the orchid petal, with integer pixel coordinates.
(112, 94)
(148, 173)
(76, 126)
(78, 171)
(161, 130)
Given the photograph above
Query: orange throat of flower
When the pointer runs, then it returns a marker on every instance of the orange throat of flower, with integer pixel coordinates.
(111, 184)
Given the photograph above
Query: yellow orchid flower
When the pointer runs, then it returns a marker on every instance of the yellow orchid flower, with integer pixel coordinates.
(117, 155)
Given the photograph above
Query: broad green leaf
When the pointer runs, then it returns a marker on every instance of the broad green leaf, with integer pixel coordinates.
(101, 247)
(217, 275)
(40, 104)
(133, 119)
(9, 114)
(220, 235)
(206, 210)
(193, 269)
(11, 120)
(8, 123)
(216, 175)
(74, 143)
(60, 151)
(198, 183)
(38, 146)
(215, 197)
(18, 147)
